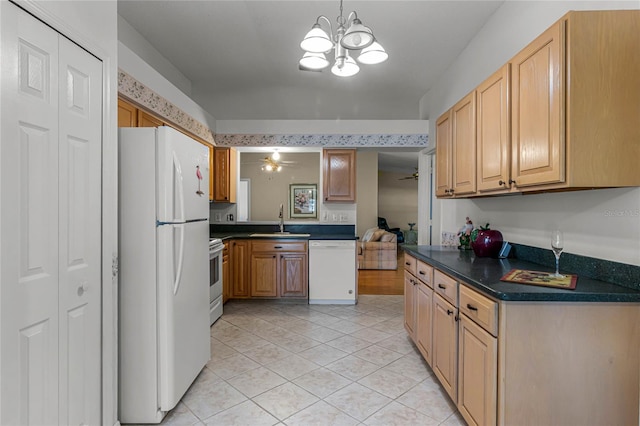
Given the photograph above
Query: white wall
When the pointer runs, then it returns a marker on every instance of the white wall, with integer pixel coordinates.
(345, 127)
(602, 223)
(132, 64)
(137, 43)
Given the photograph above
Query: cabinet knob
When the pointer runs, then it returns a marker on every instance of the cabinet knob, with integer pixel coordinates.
(511, 181)
(501, 182)
(449, 311)
(446, 191)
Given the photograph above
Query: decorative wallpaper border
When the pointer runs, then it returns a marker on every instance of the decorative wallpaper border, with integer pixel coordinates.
(132, 89)
(328, 140)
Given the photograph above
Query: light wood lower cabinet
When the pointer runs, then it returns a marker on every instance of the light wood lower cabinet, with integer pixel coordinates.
(424, 303)
(445, 345)
(532, 363)
(294, 274)
(226, 274)
(270, 269)
(477, 373)
(410, 304)
(240, 268)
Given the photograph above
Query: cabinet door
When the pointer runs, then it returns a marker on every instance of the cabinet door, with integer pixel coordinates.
(538, 143)
(478, 374)
(424, 302)
(240, 268)
(212, 174)
(445, 340)
(147, 120)
(339, 179)
(409, 304)
(226, 277)
(293, 275)
(127, 114)
(463, 144)
(492, 132)
(264, 275)
(443, 155)
(224, 166)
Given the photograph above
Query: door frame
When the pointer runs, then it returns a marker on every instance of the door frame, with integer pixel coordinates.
(109, 232)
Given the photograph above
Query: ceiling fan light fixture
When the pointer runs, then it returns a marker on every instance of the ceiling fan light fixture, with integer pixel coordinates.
(372, 55)
(314, 61)
(275, 156)
(316, 40)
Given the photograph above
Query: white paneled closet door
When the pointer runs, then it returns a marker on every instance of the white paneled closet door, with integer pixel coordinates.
(50, 220)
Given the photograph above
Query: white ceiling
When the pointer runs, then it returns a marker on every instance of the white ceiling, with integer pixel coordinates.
(242, 56)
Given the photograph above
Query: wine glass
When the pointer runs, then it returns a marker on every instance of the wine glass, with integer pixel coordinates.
(557, 244)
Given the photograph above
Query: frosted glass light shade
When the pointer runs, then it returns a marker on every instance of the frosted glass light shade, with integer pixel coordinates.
(357, 36)
(316, 40)
(314, 61)
(374, 54)
(348, 69)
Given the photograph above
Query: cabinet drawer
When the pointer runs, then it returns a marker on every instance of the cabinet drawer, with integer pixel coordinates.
(480, 309)
(410, 263)
(424, 273)
(261, 246)
(446, 286)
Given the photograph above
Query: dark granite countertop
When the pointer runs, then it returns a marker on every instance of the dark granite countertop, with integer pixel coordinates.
(313, 236)
(316, 232)
(484, 274)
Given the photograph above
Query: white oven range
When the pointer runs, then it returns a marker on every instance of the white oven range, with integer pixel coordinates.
(215, 279)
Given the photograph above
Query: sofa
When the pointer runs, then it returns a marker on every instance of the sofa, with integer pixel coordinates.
(378, 249)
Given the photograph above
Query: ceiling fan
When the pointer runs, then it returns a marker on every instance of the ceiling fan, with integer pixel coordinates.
(413, 176)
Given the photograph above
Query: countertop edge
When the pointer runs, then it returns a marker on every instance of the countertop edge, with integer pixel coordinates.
(540, 294)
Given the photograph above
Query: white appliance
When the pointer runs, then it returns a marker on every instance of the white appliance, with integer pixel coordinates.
(332, 272)
(163, 298)
(215, 279)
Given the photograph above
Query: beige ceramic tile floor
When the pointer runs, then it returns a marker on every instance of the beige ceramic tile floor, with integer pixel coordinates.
(277, 364)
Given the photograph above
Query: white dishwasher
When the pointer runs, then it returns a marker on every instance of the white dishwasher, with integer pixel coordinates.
(332, 272)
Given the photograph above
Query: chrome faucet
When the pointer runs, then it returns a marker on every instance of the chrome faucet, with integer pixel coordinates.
(281, 216)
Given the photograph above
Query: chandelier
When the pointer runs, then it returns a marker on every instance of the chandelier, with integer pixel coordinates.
(317, 43)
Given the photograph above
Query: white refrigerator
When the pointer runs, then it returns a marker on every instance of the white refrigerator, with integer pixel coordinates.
(163, 291)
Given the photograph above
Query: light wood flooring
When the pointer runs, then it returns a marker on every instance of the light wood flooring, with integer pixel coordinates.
(378, 281)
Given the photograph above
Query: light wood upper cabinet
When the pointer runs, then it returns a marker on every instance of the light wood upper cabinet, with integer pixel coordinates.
(565, 120)
(147, 120)
(575, 104)
(493, 136)
(339, 175)
(443, 155)
(127, 114)
(225, 171)
(463, 145)
(538, 96)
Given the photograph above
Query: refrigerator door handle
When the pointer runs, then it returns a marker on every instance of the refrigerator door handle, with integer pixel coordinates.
(178, 279)
(179, 185)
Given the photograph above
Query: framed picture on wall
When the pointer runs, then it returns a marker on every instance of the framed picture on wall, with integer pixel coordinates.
(303, 201)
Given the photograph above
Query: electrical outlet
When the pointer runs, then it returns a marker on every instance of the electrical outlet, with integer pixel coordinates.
(217, 217)
(334, 217)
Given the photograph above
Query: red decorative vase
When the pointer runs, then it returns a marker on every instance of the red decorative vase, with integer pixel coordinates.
(487, 243)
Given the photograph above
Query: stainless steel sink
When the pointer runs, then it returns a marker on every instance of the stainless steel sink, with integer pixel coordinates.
(279, 235)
